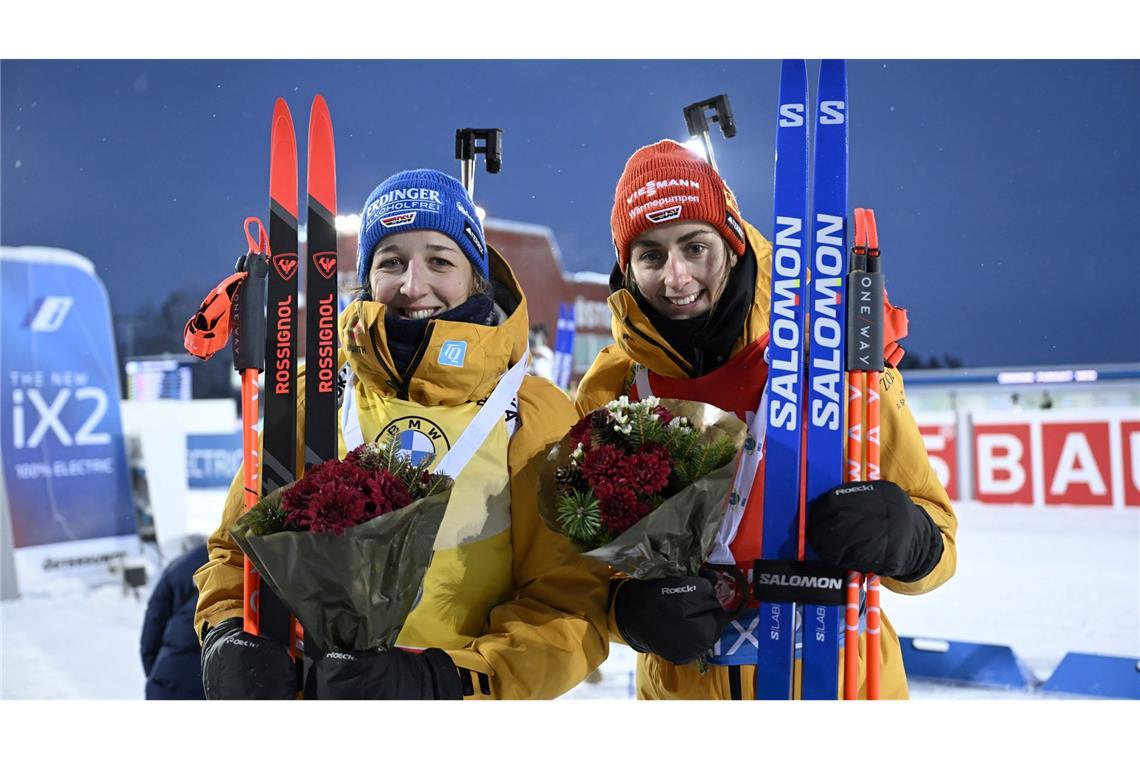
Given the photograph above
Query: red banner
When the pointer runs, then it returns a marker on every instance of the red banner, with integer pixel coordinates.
(1076, 463)
(1130, 443)
(1003, 471)
(941, 441)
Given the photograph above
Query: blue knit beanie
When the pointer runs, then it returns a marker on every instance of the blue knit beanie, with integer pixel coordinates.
(421, 199)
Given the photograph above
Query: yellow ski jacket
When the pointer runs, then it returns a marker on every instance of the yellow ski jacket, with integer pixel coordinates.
(903, 460)
(509, 600)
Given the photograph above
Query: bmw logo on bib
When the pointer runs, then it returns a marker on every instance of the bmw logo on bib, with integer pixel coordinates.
(417, 438)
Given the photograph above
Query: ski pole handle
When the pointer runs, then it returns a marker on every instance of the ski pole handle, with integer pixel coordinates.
(865, 322)
(249, 305)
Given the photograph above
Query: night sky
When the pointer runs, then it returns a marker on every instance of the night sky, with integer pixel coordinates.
(1007, 192)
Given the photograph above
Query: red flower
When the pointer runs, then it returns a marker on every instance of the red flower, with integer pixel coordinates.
(664, 415)
(336, 495)
(651, 467)
(605, 462)
(580, 433)
(622, 510)
(388, 493)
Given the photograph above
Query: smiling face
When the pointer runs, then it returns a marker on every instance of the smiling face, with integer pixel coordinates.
(420, 274)
(680, 268)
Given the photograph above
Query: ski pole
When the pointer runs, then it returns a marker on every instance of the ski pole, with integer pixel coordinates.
(697, 120)
(249, 361)
(236, 308)
(865, 362)
(856, 389)
(468, 145)
(873, 627)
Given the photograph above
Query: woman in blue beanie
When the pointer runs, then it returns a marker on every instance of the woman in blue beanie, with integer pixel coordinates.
(509, 610)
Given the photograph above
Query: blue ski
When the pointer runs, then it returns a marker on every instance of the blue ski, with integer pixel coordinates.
(822, 629)
(780, 540)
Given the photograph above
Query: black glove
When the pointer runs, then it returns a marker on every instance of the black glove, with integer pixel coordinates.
(239, 665)
(394, 674)
(678, 619)
(874, 527)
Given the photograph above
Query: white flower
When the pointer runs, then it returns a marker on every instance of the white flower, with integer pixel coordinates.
(618, 403)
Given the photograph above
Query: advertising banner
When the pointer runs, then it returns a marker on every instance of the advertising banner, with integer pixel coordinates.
(1057, 457)
(212, 459)
(940, 435)
(61, 439)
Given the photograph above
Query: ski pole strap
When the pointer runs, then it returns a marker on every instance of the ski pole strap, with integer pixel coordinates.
(208, 331)
(473, 435)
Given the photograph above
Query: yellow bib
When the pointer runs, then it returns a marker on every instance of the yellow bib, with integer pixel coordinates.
(471, 569)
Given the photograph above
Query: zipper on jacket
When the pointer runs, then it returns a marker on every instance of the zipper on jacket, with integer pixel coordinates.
(403, 390)
(393, 381)
(669, 353)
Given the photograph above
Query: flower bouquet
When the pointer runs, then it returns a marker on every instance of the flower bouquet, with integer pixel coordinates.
(643, 486)
(347, 546)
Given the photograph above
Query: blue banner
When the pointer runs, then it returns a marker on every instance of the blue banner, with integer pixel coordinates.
(564, 346)
(212, 459)
(65, 467)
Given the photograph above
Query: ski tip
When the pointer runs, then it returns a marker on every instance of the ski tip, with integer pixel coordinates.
(793, 67)
(283, 160)
(320, 106)
(283, 133)
(322, 156)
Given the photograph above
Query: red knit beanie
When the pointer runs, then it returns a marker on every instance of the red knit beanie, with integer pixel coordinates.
(667, 182)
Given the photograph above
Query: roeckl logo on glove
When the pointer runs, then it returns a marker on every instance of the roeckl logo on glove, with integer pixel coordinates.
(339, 656)
(854, 489)
(242, 643)
(679, 589)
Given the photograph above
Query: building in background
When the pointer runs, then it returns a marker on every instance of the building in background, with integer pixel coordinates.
(533, 254)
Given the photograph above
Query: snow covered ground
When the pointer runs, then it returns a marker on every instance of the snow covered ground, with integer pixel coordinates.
(1044, 581)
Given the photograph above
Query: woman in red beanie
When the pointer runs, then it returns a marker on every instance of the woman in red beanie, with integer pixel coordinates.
(690, 301)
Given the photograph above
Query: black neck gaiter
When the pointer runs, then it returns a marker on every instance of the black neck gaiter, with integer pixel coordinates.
(705, 341)
(406, 335)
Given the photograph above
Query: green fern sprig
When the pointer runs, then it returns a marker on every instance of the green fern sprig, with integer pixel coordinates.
(580, 516)
(418, 478)
(265, 517)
